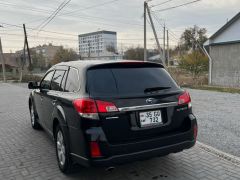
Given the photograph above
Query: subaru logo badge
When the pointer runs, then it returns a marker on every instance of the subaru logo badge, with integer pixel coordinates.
(150, 100)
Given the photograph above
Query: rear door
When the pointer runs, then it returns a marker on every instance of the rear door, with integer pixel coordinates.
(145, 95)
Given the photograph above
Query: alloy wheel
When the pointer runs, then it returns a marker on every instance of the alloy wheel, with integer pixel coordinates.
(32, 116)
(61, 148)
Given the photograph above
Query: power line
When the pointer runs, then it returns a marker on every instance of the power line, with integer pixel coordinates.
(49, 17)
(161, 3)
(173, 7)
(90, 7)
(95, 17)
(158, 20)
(189, 35)
(53, 15)
(24, 7)
(63, 38)
(169, 30)
(47, 11)
(35, 29)
(85, 17)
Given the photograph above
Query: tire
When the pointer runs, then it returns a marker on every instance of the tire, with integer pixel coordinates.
(62, 151)
(34, 120)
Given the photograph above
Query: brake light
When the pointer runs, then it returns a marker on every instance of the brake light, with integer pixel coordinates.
(90, 108)
(132, 62)
(85, 105)
(95, 150)
(184, 99)
(104, 107)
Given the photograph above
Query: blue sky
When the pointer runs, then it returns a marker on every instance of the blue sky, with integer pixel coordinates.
(123, 16)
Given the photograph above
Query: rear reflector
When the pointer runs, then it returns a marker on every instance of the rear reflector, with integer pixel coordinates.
(95, 150)
(184, 98)
(195, 131)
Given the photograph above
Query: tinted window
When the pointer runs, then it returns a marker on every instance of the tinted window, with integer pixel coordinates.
(46, 82)
(72, 83)
(57, 79)
(127, 80)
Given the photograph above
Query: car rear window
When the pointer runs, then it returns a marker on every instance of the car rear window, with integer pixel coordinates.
(127, 81)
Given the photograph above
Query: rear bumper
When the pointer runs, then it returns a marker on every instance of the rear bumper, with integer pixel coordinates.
(146, 154)
(114, 154)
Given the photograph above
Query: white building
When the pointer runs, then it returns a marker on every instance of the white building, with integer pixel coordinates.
(98, 45)
(224, 54)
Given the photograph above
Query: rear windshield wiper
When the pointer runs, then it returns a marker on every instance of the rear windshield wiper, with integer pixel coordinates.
(155, 89)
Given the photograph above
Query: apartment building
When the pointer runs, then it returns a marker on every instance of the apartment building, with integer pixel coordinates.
(98, 45)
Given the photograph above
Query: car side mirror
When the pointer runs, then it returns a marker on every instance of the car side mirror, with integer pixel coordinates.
(33, 85)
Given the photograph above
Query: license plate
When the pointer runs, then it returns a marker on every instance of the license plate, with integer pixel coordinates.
(150, 118)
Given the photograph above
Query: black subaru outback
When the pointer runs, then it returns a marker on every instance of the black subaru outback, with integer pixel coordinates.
(102, 113)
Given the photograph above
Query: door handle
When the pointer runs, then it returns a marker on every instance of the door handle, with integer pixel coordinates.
(54, 102)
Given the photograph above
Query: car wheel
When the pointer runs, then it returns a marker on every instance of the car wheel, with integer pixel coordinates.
(63, 155)
(34, 120)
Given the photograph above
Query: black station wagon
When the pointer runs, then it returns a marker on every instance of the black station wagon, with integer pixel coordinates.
(103, 113)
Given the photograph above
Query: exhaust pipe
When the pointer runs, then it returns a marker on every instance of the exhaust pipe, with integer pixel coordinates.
(110, 169)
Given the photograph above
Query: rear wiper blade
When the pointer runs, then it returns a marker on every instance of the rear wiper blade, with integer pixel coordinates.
(155, 89)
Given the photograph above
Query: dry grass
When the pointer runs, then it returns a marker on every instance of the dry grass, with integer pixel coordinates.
(187, 80)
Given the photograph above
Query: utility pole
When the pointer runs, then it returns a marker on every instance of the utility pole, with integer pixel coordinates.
(168, 58)
(26, 42)
(154, 32)
(164, 43)
(23, 61)
(3, 62)
(145, 31)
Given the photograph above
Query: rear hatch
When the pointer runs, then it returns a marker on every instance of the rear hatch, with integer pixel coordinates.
(145, 95)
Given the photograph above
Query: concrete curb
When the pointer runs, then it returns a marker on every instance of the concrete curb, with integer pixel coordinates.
(228, 157)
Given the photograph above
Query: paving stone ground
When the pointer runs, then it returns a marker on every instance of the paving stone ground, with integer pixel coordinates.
(29, 154)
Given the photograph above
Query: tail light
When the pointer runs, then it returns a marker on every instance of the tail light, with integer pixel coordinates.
(90, 108)
(184, 99)
(132, 62)
(95, 150)
(85, 105)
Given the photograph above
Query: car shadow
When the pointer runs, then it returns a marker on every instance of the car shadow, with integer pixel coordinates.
(135, 170)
